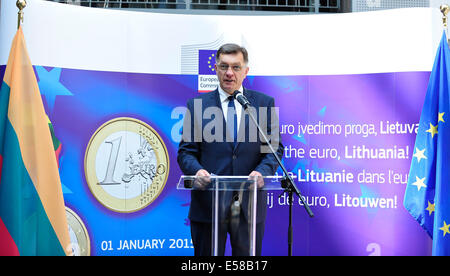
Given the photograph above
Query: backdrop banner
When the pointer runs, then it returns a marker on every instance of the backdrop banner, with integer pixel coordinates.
(349, 89)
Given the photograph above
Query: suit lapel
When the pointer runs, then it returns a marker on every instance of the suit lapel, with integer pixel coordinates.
(218, 103)
(241, 131)
(217, 98)
(244, 128)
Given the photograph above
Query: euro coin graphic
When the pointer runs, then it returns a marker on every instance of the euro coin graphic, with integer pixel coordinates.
(126, 165)
(80, 244)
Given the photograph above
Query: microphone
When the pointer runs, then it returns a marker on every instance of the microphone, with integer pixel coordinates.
(241, 99)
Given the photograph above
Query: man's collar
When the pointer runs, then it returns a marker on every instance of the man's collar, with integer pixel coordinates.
(224, 95)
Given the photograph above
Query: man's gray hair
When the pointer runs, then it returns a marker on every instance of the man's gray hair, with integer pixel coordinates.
(231, 48)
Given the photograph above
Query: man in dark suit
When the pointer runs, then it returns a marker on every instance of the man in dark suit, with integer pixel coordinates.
(228, 150)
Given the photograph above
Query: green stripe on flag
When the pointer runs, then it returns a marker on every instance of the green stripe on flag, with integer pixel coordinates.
(20, 206)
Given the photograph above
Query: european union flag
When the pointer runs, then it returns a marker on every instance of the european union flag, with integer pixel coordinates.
(206, 61)
(427, 195)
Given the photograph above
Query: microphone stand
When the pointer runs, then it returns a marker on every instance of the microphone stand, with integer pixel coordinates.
(286, 182)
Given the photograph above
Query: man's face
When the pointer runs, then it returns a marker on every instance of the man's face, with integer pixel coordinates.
(231, 71)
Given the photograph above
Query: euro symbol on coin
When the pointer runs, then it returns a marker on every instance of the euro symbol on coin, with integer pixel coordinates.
(126, 165)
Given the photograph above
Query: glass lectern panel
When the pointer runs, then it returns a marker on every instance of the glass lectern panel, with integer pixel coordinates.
(234, 203)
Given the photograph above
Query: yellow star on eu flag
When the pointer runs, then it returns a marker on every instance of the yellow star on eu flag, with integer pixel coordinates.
(441, 117)
(433, 130)
(430, 208)
(445, 228)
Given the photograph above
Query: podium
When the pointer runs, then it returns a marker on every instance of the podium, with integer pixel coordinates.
(234, 201)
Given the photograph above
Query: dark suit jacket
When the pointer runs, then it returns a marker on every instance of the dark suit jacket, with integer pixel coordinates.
(222, 158)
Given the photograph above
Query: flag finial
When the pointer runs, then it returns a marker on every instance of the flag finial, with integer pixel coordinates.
(444, 9)
(21, 4)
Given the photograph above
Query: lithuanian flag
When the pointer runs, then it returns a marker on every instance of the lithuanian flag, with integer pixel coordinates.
(32, 212)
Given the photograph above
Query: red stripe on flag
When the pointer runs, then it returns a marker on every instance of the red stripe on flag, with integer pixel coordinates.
(57, 153)
(8, 246)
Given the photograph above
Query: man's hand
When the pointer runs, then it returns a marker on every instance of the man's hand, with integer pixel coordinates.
(203, 179)
(260, 181)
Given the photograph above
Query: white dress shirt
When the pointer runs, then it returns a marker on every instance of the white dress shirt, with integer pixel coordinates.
(224, 101)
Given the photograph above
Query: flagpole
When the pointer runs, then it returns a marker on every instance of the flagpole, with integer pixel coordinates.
(21, 4)
(445, 9)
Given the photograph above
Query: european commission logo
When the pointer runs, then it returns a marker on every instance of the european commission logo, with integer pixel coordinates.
(207, 79)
